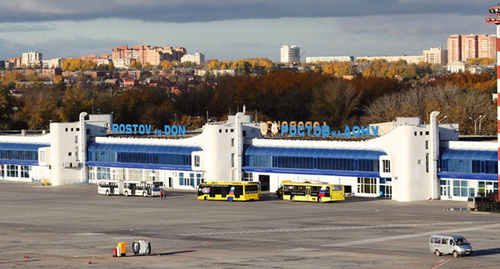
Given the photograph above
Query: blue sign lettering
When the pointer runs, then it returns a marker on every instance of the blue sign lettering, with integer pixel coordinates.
(146, 129)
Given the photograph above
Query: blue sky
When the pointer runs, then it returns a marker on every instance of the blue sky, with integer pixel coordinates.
(237, 29)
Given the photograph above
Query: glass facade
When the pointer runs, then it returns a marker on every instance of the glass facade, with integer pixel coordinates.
(313, 159)
(141, 154)
(20, 153)
(469, 162)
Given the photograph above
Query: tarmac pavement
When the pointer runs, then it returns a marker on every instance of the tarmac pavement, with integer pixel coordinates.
(74, 227)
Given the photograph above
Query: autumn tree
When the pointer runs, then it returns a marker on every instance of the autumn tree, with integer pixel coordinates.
(336, 103)
(135, 64)
(40, 107)
(458, 104)
(6, 110)
(76, 99)
(166, 64)
(481, 61)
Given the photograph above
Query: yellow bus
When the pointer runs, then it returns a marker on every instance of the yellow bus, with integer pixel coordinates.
(312, 192)
(229, 191)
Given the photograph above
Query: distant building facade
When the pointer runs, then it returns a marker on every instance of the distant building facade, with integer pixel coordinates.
(436, 56)
(13, 63)
(409, 59)
(216, 72)
(148, 54)
(290, 54)
(465, 47)
(456, 67)
(52, 63)
(197, 58)
(487, 46)
(30, 59)
(329, 59)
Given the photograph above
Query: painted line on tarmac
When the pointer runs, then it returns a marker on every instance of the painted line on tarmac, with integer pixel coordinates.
(406, 236)
(331, 228)
(439, 264)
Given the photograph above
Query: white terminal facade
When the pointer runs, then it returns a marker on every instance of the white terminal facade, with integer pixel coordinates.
(407, 161)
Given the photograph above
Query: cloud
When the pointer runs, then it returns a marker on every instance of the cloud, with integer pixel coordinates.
(24, 28)
(215, 10)
(60, 47)
(415, 25)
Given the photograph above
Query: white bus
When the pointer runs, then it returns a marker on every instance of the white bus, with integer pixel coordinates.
(129, 187)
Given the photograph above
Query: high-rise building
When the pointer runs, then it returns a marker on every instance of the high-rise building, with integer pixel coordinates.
(436, 56)
(30, 59)
(148, 54)
(290, 54)
(465, 47)
(454, 48)
(486, 46)
(469, 47)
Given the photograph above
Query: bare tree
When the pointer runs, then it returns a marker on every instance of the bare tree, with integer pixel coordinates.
(336, 103)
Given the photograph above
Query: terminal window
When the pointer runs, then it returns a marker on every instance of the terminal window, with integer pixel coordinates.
(386, 166)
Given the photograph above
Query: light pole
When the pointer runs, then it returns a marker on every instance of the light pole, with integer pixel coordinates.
(494, 18)
(475, 123)
(482, 118)
(15, 112)
(439, 121)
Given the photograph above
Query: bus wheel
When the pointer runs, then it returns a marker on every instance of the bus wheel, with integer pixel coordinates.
(292, 198)
(144, 194)
(319, 199)
(206, 198)
(437, 252)
(126, 193)
(107, 192)
(455, 254)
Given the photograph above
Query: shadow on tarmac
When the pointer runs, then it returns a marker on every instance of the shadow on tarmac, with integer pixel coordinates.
(175, 252)
(486, 252)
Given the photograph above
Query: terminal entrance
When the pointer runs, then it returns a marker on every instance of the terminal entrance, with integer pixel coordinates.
(264, 182)
(445, 189)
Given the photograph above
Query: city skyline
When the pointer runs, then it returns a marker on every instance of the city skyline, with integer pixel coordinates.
(232, 30)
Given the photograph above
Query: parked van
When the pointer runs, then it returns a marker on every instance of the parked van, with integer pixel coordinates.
(449, 244)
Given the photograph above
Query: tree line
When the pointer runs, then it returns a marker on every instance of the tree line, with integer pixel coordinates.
(277, 96)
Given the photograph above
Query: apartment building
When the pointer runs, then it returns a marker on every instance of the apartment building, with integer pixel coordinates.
(469, 47)
(316, 59)
(148, 54)
(197, 58)
(13, 63)
(290, 54)
(486, 46)
(454, 45)
(411, 59)
(30, 59)
(436, 56)
(465, 47)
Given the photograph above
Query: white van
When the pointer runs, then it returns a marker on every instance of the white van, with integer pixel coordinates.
(449, 244)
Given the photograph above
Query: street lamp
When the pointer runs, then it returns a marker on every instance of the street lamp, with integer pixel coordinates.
(475, 123)
(15, 112)
(439, 121)
(482, 118)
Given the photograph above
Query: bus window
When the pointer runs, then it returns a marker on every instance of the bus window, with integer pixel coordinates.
(252, 189)
(315, 190)
(237, 190)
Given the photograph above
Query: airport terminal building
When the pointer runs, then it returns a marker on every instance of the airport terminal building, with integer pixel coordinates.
(403, 160)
